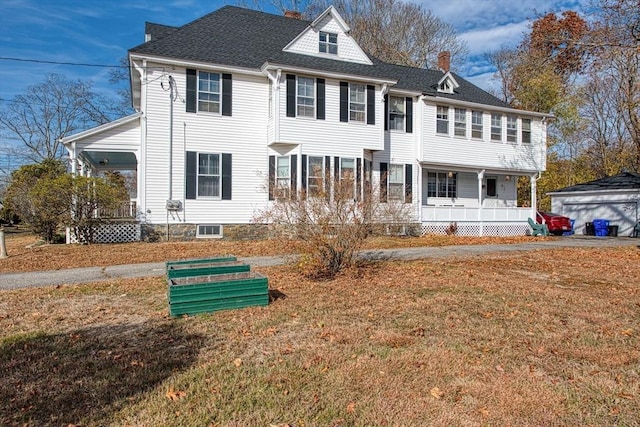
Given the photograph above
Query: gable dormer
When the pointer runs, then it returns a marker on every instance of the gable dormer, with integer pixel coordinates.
(447, 84)
(328, 36)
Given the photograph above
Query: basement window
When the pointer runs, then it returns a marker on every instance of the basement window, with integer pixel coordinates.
(209, 231)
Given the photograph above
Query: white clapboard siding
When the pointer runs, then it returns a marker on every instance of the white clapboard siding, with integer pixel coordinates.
(470, 152)
(244, 135)
(331, 136)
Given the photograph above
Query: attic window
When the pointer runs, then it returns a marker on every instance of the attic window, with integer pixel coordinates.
(328, 43)
(446, 86)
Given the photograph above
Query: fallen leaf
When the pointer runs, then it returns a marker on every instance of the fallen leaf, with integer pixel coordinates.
(436, 392)
(484, 411)
(627, 332)
(174, 395)
(237, 362)
(351, 407)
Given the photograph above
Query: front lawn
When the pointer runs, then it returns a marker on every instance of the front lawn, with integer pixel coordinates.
(545, 337)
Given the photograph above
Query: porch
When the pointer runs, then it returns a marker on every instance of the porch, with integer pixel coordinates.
(474, 221)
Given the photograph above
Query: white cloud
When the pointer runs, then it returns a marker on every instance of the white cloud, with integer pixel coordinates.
(485, 40)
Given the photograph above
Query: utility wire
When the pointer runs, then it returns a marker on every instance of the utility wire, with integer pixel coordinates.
(78, 64)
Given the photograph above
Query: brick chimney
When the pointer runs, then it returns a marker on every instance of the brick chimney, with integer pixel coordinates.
(444, 61)
(293, 14)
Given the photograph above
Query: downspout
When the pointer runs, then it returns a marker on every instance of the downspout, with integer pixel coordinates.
(383, 91)
(142, 160)
(184, 170)
(420, 153)
(171, 89)
(275, 103)
(480, 210)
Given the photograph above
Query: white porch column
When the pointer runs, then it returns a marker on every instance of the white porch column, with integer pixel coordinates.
(480, 213)
(534, 198)
(74, 159)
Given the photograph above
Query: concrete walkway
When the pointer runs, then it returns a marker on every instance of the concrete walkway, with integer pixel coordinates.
(95, 274)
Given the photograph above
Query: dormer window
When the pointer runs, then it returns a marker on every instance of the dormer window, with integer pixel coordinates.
(328, 43)
(447, 84)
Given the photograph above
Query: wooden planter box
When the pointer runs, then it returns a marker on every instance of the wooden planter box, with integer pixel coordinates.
(204, 268)
(207, 293)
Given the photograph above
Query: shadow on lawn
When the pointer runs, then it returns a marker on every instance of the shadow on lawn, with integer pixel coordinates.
(85, 375)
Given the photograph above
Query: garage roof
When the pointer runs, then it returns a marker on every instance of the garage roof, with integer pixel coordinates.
(622, 181)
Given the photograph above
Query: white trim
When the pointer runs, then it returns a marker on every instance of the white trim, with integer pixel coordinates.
(451, 79)
(208, 236)
(204, 66)
(102, 128)
(315, 72)
(485, 107)
(597, 192)
(335, 15)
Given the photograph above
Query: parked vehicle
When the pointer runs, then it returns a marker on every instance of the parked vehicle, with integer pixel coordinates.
(557, 224)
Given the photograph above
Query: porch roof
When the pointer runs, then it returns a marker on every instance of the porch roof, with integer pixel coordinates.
(102, 128)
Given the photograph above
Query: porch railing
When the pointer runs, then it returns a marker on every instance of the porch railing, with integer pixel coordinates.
(473, 214)
(126, 209)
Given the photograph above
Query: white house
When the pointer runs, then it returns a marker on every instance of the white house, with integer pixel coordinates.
(614, 198)
(238, 97)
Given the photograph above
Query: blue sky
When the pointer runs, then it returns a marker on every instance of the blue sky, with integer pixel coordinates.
(100, 32)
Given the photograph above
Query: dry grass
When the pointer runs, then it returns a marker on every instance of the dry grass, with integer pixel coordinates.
(25, 257)
(537, 338)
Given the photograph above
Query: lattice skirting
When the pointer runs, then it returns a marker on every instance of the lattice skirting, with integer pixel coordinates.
(476, 228)
(115, 232)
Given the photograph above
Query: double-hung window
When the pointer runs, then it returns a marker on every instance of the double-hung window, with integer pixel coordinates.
(283, 177)
(460, 122)
(347, 177)
(496, 127)
(442, 184)
(442, 119)
(526, 131)
(315, 178)
(209, 92)
(357, 102)
(305, 99)
(328, 43)
(396, 182)
(396, 113)
(512, 129)
(476, 124)
(208, 175)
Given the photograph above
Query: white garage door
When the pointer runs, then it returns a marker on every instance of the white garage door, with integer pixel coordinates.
(622, 214)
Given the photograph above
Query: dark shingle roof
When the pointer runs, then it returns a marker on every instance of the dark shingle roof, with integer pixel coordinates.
(158, 31)
(246, 38)
(622, 181)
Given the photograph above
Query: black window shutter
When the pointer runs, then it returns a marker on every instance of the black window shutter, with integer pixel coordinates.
(386, 112)
(383, 182)
(408, 183)
(291, 95)
(192, 92)
(192, 174)
(371, 105)
(358, 178)
(320, 111)
(336, 169)
(409, 114)
(294, 175)
(226, 94)
(304, 172)
(327, 175)
(226, 176)
(344, 101)
(272, 176)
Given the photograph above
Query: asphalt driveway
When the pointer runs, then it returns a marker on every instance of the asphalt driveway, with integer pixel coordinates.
(95, 274)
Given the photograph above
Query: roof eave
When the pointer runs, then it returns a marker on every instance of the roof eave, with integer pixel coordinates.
(275, 66)
(102, 128)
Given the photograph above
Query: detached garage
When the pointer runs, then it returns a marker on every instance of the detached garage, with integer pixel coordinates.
(615, 198)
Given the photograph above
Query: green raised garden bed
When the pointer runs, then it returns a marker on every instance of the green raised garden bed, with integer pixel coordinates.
(203, 268)
(207, 293)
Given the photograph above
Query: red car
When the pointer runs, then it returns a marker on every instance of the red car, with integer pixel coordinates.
(557, 224)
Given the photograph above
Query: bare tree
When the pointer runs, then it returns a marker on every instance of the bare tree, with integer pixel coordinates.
(48, 111)
(397, 32)
(331, 226)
